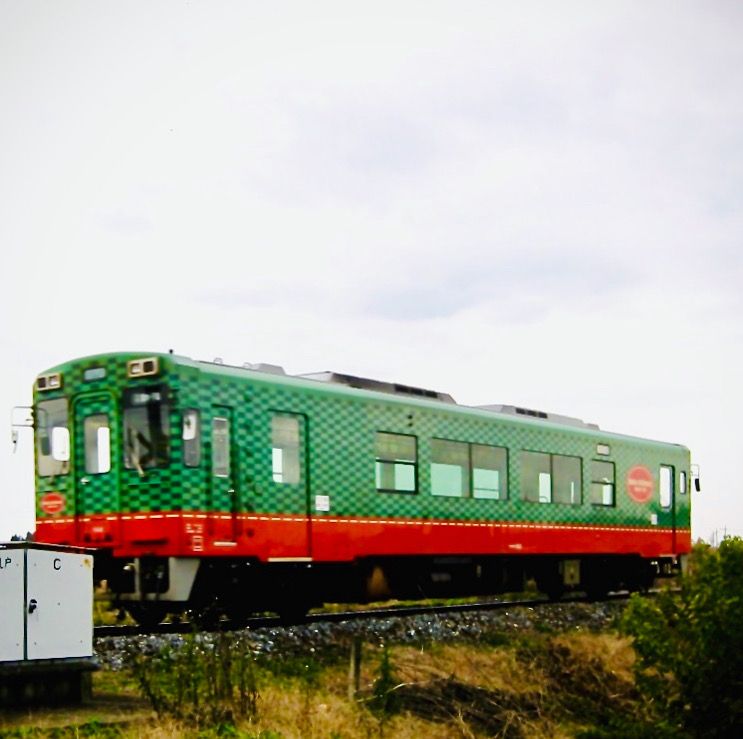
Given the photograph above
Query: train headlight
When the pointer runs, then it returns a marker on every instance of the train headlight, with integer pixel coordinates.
(49, 382)
(143, 367)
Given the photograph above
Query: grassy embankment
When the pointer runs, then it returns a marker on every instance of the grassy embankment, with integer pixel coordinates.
(530, 684)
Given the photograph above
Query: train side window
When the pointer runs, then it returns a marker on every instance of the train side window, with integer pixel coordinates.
(191, 438)
(536, 477)
(97, 444)
(683, 484)
(220, 447)
(285, 449)
(489, 472)
(396, 463)
(567, 480)
(450, 462)
(602, 483)
(666, 486)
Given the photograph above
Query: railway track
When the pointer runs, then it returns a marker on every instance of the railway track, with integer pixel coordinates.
(187, 627)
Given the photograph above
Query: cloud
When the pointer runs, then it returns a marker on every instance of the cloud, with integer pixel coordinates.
(521, 203)
(126, 224)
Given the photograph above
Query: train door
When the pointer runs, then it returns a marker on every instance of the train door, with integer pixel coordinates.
(290, 488)
(96, 468)
(223, 489)
(667, 489)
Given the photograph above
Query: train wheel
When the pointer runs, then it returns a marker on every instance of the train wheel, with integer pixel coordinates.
(550, 583)
(147, 615)
(596, 591)
(292, 613)
(205, 617)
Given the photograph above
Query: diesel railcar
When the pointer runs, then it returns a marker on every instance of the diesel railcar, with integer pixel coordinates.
(228, 489)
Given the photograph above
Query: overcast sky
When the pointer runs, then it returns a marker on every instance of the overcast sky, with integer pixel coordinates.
(529, 203)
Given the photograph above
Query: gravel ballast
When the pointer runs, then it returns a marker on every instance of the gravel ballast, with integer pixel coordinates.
(322, 635)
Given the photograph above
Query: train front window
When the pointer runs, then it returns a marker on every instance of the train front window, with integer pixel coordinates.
(52, 437)
(97, 444)
(146, 428)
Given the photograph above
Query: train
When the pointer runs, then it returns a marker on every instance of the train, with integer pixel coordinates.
(217, 489)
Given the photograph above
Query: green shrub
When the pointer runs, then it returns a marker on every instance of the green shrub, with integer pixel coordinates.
(690, 645)
(385, 701)
(209, 685)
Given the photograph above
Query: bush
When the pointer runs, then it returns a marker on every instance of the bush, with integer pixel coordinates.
(201, 683)
(690, 645)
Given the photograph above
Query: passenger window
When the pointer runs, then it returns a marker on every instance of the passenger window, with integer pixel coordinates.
(285, 449)
(489, 472)
(220, 447)
(602, 483)
(97, 444)
(666, 486)
(682, 483)
(191, 438)
(450, 463)
(396, 462)
(567, 479)
(536, 477)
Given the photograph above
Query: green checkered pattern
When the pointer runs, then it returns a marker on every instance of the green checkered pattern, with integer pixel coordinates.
(338, 432)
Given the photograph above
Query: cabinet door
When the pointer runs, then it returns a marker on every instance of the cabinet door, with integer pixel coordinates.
(59, 605)
(11, 596)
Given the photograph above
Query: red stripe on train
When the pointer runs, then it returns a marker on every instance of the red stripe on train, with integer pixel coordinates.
(337, 539)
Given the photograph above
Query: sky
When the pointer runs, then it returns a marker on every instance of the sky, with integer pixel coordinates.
(528, 203)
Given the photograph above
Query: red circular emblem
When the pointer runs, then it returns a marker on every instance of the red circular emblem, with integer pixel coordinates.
(640, 484)
(52, 503)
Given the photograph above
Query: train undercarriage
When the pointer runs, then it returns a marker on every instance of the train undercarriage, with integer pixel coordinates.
(149, 588)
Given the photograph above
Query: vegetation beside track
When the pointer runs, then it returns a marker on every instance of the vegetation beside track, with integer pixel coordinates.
(496, 683)
(668, 667)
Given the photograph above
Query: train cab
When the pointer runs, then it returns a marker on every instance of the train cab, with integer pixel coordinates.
(103, 445)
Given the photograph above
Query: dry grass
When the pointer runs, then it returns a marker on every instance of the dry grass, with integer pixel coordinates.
(509, 680)
(613, 652)
(488, 667)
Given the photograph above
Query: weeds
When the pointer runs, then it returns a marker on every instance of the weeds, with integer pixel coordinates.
(385, 699)
(89, 729)
(205, 685)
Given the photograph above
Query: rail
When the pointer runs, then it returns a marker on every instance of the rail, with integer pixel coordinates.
(186, 627)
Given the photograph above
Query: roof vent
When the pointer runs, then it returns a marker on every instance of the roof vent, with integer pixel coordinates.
(218, 360)
(272, 369)
(513, 410)
(364, 383)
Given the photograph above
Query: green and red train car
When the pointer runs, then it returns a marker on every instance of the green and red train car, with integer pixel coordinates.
(206, 486)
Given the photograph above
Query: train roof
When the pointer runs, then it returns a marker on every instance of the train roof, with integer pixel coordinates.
(352, 385)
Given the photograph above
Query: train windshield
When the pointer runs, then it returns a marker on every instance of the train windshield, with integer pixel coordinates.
(146, 428)
(52, 437)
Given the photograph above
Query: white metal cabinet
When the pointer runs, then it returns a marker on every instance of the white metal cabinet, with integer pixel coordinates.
(59, 595)
(11, 604)
(46, 603)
